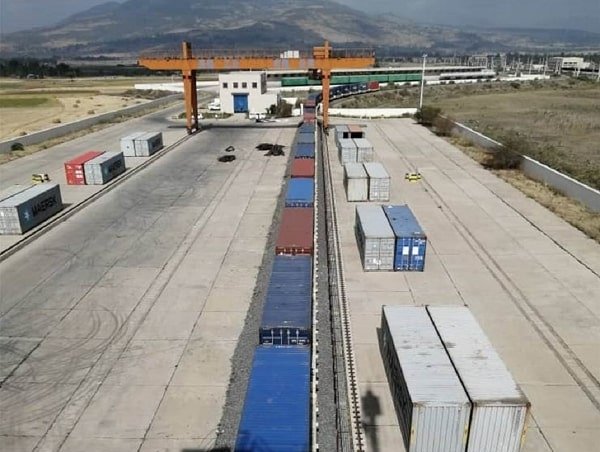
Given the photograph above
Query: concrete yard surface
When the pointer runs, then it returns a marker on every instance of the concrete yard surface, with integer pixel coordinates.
(530, 279)
(117, 326)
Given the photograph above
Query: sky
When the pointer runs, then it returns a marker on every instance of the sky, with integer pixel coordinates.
(575, 14)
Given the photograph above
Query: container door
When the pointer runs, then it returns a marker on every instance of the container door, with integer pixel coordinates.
(417, 254)
(240, 103)
(403, 248)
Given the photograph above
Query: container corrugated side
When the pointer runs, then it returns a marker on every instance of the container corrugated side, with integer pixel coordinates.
(379, 181)
(104, 168)
(128, 144)
(364, 150)
(304, 151)
(432, 406)
(305, 138)
(148, 143)
(303, 168)
(500, 409)
(28, 208)
(411, 241)
(375, 238)
(296, 231)
(286, 318)
(347, 151)
(300, 192)
(276, 413)
(355, 182)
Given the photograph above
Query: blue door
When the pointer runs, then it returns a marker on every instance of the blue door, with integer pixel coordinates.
(240, 103)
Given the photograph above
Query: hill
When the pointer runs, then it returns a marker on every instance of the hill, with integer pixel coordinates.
(126, 29)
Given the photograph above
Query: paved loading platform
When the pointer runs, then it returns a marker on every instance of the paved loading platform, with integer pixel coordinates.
(118, 325)
(531, 280)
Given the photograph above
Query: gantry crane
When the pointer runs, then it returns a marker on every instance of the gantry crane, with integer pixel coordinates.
(320, 64)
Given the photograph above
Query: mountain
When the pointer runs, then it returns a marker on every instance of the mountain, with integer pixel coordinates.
(141, 26)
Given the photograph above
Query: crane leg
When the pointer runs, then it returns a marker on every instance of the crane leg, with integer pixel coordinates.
(325, 82)
(190, 95)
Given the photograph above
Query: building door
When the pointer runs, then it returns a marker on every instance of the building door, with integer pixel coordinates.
(240, 103)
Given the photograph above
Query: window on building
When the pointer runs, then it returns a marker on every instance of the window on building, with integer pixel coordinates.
(224, 85)
(235, 84)
(244, 85)
(254, 85)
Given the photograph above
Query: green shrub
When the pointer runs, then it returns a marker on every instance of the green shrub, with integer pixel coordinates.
(17, 147)
(427, 115)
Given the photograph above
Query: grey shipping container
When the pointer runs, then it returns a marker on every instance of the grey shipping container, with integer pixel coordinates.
(364, 150)
(13, 190)
(103, 168)
(347, 151)
(148, 143)
(379, 182)
(28, 208)
(375, 238)
(432, 406)
(128, 144)
(500, 409)
(355, 182)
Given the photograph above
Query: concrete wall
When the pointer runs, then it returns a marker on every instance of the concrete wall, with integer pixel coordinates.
(371, 112)
(76, 126)
(564, 184)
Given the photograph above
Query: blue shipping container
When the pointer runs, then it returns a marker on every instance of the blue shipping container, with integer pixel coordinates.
(276, 414)
(307, 128)
(304, 137)
(411, 241)
(300, 192)
(304, 151)
(286, 316)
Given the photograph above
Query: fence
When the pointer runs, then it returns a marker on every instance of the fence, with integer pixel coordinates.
(562, 183)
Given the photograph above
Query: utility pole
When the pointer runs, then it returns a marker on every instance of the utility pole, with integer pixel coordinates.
(422, 82)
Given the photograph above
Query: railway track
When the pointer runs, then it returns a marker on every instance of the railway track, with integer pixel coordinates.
(349, 432)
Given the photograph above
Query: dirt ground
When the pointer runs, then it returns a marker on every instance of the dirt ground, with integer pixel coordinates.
(31, 105)
(559, 119)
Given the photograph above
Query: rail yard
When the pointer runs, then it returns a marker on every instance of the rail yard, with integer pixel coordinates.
(154, 314)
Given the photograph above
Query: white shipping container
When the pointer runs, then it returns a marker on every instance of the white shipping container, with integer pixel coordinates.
(28, 208)
(104, 168)
(432, 406)
(355, 182)
(13, 190)
(379, 181)
(375, 238)
(148, 143)
(500, 408)
(347, 151)
(128, 144)
(364, 150)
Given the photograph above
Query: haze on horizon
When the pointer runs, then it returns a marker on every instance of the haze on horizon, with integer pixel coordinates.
(18, 15)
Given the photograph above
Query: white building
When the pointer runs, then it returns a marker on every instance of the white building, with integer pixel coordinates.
(245, 92)
(558, 64)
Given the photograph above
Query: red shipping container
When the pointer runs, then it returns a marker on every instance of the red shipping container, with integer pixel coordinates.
(74, 167)
(309, 116)
(295, 231)
(303, 168)
(373, 86)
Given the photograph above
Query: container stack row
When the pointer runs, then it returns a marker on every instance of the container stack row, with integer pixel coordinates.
(451, 390)
(389, 238)
(276, 413)
(366, 182)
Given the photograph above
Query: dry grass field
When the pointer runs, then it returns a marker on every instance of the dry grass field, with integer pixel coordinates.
(558, 119)
(28, 106)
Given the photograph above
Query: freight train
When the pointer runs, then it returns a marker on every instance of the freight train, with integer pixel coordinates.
(338, 92)
(277, 408)
(350, 79)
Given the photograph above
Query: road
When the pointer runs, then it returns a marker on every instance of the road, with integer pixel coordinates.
(118, 325)
(531, 280)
